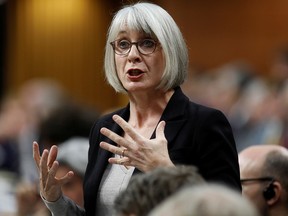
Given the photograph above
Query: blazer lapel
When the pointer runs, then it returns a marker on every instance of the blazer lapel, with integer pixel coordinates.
(174, 115)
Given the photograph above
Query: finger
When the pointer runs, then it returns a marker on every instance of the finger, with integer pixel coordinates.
(36, 154)
(160, 130)
(127, 128)
(114, 137)
(43, 167)
(51, 182)
(52, 155)
(123, 152)
(43, 161)
(119, 161)
(53, 171)
(65, 179)
(111, 148)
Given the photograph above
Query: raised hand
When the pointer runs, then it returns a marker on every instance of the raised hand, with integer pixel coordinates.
(50, 186)
(136, 150)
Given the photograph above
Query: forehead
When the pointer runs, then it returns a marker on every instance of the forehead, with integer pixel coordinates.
(130, 24)
(132, 33)
(250, 165)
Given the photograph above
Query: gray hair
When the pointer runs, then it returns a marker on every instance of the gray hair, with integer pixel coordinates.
(205, 200)
(276, 165)
(155, 21)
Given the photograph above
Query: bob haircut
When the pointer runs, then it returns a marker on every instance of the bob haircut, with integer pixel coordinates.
(154, 21)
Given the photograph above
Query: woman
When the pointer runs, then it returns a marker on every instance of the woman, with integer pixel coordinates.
(146, 58)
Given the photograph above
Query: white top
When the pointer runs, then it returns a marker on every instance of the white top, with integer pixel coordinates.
(115, 179)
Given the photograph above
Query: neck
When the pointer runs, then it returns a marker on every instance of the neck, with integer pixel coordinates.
(147, 108)
(278, 212)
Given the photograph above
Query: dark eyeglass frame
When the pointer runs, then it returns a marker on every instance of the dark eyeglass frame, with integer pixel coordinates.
(131, 44)
(268, 178)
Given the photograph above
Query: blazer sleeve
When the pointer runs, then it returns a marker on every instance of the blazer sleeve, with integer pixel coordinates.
(64, 207)
(218, 157)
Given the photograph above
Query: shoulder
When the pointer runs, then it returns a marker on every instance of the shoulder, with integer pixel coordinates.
(205, 111)
(180, 104)
(107, 118)
(208, 117)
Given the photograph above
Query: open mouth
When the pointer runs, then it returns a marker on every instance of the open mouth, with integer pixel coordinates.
(135, 72)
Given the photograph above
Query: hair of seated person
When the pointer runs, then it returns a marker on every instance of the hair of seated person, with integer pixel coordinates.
(147, 190)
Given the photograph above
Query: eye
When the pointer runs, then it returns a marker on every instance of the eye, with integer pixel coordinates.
(123, 44)
(148, 43)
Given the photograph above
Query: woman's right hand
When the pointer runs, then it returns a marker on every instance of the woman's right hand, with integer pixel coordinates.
(50, 186)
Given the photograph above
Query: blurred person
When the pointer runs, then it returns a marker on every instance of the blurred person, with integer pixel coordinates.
(225, 85)
(12, 119)
(264, 179)
(206, 200)
(29, 202)
(8, 181)
(145, 191)
(73, 155)
(66, 121)
(20, 116)
(282, 98)
(37, 97)
(254, 116)
(247, 100)
(195, 85)
(146, 58)
(278, 73)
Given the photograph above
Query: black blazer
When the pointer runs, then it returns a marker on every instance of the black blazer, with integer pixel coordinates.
(196, 135)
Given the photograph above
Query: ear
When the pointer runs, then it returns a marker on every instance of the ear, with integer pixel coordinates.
(278, 189)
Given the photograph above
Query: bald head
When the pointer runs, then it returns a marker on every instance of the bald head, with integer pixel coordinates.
(263, 167)
(253, 159)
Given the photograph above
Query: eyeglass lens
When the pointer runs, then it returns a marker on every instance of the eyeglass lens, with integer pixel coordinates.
(123, 47)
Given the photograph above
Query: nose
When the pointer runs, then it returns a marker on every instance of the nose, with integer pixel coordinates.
(134, 54)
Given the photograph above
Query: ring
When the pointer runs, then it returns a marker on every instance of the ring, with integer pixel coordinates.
(122, 153)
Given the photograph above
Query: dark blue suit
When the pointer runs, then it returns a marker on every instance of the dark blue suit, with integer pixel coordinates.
(196, 135)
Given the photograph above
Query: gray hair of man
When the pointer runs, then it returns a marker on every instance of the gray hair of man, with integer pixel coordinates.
(156, 22)
(276, 166)
(206, 200)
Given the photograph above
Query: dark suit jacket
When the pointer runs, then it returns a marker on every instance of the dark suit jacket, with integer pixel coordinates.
(196, 135)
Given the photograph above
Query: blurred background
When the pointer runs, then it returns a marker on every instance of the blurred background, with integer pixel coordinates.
(52, 85)
(64, 40)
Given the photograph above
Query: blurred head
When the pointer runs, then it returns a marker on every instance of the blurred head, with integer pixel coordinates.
(73, 155)
(279, 67)
(263, 170)
(205, 200)
(39, 97)
(147, 190)
(67, 121)
(153, 21)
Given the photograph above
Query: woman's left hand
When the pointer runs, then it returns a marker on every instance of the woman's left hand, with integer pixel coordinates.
(138, 151)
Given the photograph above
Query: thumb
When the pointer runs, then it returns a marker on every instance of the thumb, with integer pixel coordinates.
(160, 130)
(67, 178)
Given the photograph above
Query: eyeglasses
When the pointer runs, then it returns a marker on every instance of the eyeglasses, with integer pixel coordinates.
(123, 47)
(257, 179)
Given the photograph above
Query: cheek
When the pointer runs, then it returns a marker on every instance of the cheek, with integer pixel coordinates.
(159, 65)
(119, 64)
(245, 191)
(252, 193)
